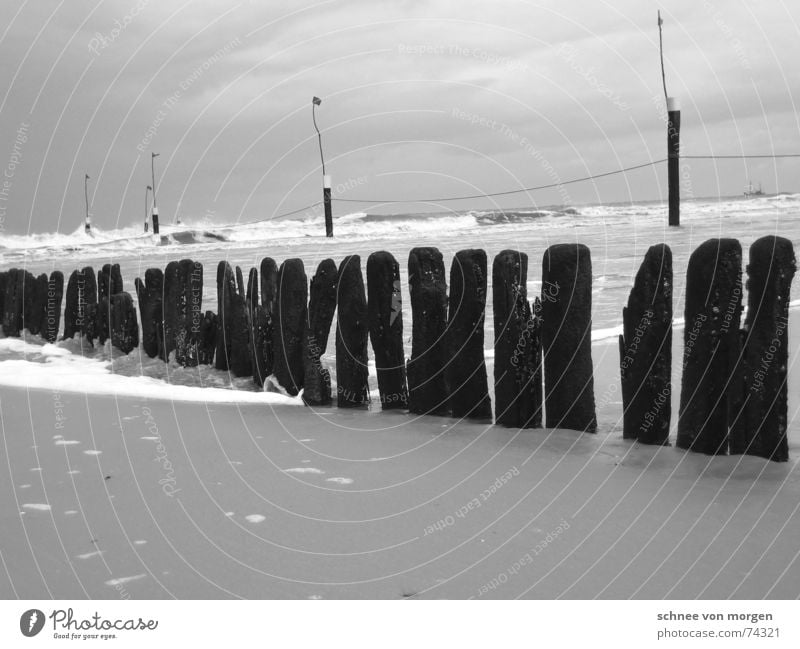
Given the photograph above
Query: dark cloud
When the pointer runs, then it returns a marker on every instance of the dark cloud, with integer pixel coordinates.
(421, 98)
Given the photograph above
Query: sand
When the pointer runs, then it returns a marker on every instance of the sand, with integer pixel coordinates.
(146, 497)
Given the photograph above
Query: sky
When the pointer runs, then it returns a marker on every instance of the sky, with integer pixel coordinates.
(420, 100)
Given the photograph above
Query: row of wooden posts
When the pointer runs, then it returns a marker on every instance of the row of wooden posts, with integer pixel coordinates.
(733, 397)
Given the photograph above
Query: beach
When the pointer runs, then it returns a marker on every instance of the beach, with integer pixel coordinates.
(129, 478)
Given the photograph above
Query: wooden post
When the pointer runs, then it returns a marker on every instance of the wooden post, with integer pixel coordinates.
(674, 160)
(13, 307)
(766, 351)
(645, 351)
(38, 304)
(52, 316)
(241, 362)
(291, 308)
(386, 328)
(321, 307)
(567, 337)
(352, 334)
(226, 287)
(427, 390)
(149, 294)
(124, 329)
(465, 374)
(517, 345)
(710, 388)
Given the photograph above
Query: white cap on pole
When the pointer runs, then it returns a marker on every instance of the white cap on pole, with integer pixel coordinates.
(326, 181)
(673, 104)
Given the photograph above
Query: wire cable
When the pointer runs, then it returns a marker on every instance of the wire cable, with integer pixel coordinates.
(506, 193)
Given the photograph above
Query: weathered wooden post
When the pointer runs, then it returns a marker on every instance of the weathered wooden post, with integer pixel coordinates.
(291, 305)
(174, 283)
(28, 300)
(13, 304)
(38, 302)
(352, 332)
(321, 307)
(645, 351)
(52, 315)
(81, 304)
(187, 311)
(567, 337)
(150, 295)
(207, 341)
(262, 323)
(710, 387)
(241, 363)
(385, 309)
(427, 390)
(3, 284)
(764, 420)
(517, 345)
(226, 288)
(465, 373)
(124, 327)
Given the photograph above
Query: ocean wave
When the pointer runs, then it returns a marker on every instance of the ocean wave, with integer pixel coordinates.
(358, 226)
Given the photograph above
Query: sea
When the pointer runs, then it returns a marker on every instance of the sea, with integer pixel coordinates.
(618, 236)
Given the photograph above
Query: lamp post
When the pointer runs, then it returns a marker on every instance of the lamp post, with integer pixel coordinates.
(153, 157)
(146, 210)
(87, 224)
(326, 179)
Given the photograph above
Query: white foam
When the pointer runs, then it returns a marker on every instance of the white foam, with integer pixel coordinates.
(93, 452)
(39, 507)
(340, 480)
(303, 469)
(255, 518)
(62, 368)
(124, 580)
(89, 555)
(66, 442)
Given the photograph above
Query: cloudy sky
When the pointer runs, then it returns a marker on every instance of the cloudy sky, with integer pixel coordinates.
(421, 99)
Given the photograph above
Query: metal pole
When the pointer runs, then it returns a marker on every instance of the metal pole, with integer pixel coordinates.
(673, 141)
(673, 160)
(87, 224)
(146, 208)
(326, 179)
(153, 157)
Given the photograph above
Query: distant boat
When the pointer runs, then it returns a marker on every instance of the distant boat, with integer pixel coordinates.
(751, 191)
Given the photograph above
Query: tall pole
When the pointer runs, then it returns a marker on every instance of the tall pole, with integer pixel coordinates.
(674, 160)
(153, 157)
(87, 224)
(673, 141)
(146, 206)
(326, 179)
